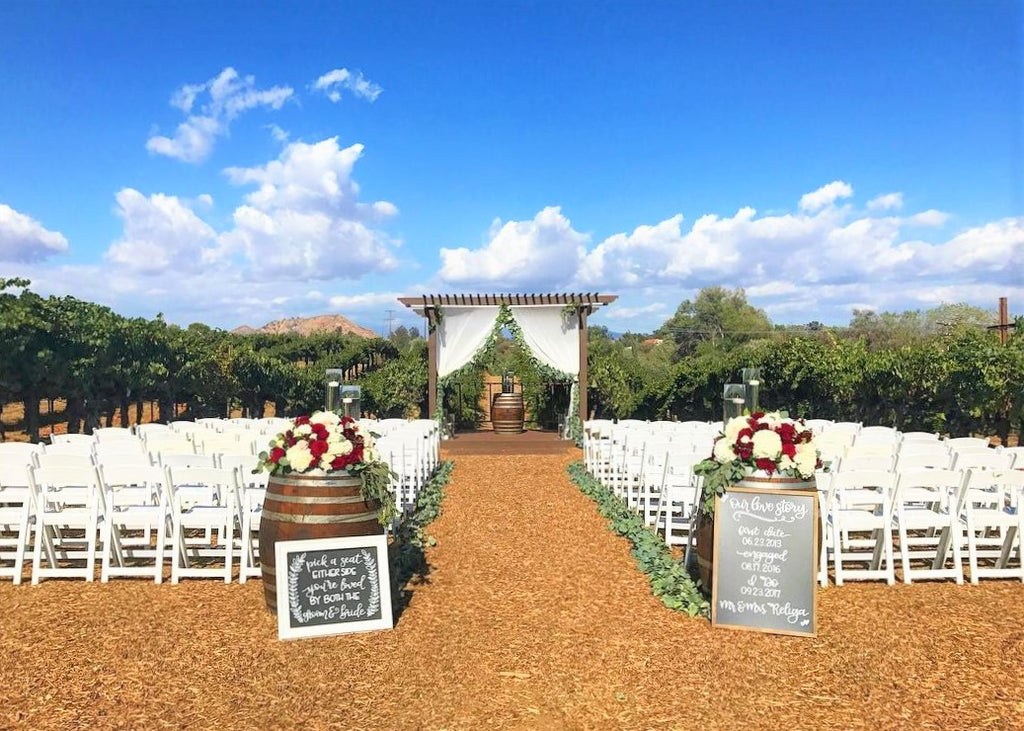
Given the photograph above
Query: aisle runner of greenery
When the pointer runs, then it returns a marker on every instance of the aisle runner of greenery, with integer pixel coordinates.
(668, 577)
(411, 540)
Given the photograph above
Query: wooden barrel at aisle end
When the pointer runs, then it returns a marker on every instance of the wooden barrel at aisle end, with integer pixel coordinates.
(299, 507)
(507, 413)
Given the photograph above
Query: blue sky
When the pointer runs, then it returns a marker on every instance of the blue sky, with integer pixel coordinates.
(233, 163)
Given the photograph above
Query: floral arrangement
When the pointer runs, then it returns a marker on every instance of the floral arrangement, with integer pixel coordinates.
(761, 442)
(325, 442)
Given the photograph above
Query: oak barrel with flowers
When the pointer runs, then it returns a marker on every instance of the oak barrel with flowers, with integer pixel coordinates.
(762, 450)
(326, 481)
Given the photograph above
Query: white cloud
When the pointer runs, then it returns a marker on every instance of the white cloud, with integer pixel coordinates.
(160, 233)
(540, 254)
(887, 202)
(304, 220)
(333, 82)
(630, 313)
(826, 195)
(228, 96)
(23, 239)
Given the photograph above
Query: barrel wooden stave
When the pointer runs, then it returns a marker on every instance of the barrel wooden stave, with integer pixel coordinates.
(507, 413)
(299, 507)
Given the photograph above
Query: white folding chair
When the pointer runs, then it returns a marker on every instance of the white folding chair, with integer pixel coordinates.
(681, 490)
(203, 502)
(927, 518)
(136, 502)
(67, 499)
(991, 517)
(112, 433)
(251, 495)
(936, 459)
(859, 504)
(989, 459)
(16, 509)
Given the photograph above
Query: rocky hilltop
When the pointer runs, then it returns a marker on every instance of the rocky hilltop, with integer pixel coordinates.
(310, 326)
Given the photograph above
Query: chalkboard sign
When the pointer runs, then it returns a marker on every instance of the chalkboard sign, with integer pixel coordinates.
(765, 560)
(331, 586)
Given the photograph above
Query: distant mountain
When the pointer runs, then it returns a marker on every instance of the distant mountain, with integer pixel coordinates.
(310, 326)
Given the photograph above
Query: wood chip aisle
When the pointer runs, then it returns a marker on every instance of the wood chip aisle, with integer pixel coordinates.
(534, 617)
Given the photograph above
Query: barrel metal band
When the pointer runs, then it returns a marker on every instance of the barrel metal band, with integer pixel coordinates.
(288, 518)
(313, 500)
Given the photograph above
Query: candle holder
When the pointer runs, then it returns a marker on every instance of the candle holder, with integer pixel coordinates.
(752, 388)
(733, 401)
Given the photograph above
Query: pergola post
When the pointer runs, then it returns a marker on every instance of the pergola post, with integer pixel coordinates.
(431, 314)
(583, 364)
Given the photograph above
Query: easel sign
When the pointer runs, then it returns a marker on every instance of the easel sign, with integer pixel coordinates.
(332, 586)
(765, 561)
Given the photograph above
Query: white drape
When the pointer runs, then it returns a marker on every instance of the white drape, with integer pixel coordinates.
(461, 333)
(552, 337)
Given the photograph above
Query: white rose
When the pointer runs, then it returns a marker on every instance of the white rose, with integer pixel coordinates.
(785, 463)
(733, 428)
(303, 430)
(299, 457)
(767, 444)
(369, 454)
(723, 451)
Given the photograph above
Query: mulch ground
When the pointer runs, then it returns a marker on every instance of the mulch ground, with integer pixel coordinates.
(534, 617)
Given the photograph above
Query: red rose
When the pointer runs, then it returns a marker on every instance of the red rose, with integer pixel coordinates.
(319, 430)
(763, 463)
(318, 447)
(276, 454)
(788, 450)
(300, 420)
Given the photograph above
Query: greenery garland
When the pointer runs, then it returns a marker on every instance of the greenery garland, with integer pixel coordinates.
(410, 537)
(377, 478)
(669, 580)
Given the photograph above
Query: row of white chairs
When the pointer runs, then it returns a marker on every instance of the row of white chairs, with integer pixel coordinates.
(654, 477)
(188, 509)
(930, 516)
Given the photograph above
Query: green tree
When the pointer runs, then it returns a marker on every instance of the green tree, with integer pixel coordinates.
(717, 318)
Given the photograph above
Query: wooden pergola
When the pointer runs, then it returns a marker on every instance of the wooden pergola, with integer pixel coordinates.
(428, 304)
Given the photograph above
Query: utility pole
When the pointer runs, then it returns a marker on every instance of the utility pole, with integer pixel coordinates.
(1004, 321)
(391, 320)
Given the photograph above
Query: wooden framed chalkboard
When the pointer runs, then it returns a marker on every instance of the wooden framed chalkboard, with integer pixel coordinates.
(331, 586)
(765, 562)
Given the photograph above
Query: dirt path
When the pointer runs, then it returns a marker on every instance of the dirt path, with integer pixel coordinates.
(534, 617)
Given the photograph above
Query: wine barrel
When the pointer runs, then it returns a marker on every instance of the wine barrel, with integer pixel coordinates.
(704, 525)
(507, 413)
(301, 506)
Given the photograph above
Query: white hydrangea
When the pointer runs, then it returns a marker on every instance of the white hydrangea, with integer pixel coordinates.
(299, 457)
(338, 448)
(806, 459)
(723, 450)
(327, 418)
(767, 444)
(302, 430)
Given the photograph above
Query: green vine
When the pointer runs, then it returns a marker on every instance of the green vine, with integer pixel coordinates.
(377, 477)
(410, 537)
(718, 477)
(669, 580)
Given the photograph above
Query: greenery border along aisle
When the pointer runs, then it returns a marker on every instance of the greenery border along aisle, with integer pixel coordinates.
(668, 577)
(410, 538)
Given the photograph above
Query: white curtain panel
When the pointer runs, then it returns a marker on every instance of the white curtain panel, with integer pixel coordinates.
(462, 332)
(552, 337)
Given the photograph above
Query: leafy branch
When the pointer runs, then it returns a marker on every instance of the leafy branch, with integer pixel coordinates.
(669, 580)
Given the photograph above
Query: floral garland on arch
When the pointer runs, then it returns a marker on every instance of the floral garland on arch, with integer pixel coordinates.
(770, 443)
